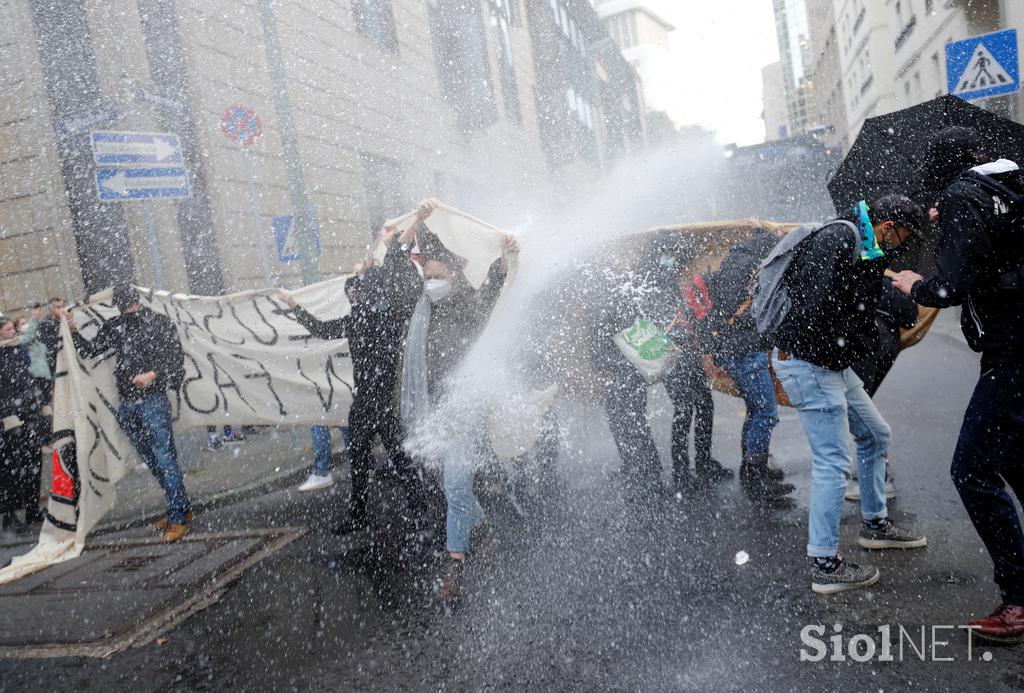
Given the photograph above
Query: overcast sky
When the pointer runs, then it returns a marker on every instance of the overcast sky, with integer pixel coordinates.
(718, 49)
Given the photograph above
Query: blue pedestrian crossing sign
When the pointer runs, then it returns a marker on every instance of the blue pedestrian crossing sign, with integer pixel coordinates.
(286, 239)
(984, 66)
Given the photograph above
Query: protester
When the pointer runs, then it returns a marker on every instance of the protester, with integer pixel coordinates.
(738, 349)
(894, 311)
(687, 383)
(149, 360)
(834, 282)
(49, 330)
(980, 266)
(374, 334)
(229, 437)
(20, 418)
(444, 314)
(39, 355)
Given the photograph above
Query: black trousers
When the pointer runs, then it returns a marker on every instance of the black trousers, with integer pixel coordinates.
(21, 466)
(624, 393)
(687, 386)
(987, 459)
(366, 421)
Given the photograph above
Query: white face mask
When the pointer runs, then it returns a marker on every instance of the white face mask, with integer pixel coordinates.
(437, 289)
(23, 329)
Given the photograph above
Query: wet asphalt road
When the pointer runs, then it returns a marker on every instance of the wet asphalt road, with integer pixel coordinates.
(589, 594)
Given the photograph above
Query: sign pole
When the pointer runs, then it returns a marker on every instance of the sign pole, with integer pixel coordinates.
(154, 244)
(254, 204)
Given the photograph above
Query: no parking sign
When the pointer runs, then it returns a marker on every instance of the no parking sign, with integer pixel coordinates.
(241, 125)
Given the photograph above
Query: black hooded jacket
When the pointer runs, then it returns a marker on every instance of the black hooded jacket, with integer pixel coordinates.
(835, 295)
(142, 341)
(374, 332)
(981, 240)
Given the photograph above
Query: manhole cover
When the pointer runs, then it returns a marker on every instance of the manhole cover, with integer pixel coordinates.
(949, 577)
(123, 593)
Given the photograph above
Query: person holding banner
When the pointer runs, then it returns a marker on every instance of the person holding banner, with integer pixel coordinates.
(149, 361)
(445, 314)
(374, 337)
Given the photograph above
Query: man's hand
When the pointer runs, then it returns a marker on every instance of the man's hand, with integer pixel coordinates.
(286, 296)
(144, 380)
(933, 214)
(904, 281)
(509, 249)
(426, 208)
(70, 319)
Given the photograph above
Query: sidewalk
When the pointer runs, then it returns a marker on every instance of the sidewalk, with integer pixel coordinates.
(269, 458)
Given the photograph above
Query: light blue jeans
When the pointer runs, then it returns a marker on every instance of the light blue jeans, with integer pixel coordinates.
(832, 405)
(464, 511)
(322, 448)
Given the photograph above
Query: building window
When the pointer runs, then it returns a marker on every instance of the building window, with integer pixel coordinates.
(500, 21)
(463, 64)
(375, 20)
(384, 185)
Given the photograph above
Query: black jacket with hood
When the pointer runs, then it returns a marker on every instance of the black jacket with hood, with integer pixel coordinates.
(835, 294)
(982, 240)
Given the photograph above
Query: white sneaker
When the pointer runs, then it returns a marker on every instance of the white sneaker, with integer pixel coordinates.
(853, 491)
(315, 482)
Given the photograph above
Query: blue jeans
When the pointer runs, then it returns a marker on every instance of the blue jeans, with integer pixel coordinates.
(322, 448)
(464, 511)
(754, 381)
(832, 405)
(148, 426)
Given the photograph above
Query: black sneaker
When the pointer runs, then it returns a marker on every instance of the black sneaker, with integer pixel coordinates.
(889, 536)
(711, 471)
(846, 576)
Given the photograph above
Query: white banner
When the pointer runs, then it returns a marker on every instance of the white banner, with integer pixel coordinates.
(247, 361)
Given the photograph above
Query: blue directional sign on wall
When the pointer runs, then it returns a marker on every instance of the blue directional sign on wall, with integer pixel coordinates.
(984, 66)
(148, 183)
(286, 241)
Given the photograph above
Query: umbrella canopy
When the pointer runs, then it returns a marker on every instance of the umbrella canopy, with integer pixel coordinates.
(887, 155)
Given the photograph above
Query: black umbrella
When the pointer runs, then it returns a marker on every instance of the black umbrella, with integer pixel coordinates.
(887, 155)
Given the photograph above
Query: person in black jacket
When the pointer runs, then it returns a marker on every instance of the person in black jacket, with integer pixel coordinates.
(374, 334)
(835, 281)
(49, 331)
(743, 354)
(980, 266)
(149, 360)
(20, 424)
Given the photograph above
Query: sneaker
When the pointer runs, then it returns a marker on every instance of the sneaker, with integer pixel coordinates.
(889, 536)
(847, 576)
(853, 491)
(1005, 625)
(163, 523)
(175, 533)
(315, 482)
(212, 441)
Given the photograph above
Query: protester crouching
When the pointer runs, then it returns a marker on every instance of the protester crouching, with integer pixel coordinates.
(374, 334)
(980, 267)
(444, 314)
(742, 352)
(20, 428)
(149, 360)
(834, 281)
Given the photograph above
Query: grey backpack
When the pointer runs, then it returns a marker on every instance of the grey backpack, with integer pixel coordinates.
(771, 301)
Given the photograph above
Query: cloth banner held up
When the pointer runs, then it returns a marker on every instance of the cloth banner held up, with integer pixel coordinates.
(247, 361)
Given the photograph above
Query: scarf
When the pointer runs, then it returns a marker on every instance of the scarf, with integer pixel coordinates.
(415, 397)
(869, 249)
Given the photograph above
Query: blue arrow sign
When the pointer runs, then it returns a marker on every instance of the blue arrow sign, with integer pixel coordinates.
(983, 66)
(135, 148)
(149, 183)
(286, 241)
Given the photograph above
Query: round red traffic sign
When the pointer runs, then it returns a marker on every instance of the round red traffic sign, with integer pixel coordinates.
(241, 125)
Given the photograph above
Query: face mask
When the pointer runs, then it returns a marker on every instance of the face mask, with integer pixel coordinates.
(23, 329)
(437, 289)
(667, 262)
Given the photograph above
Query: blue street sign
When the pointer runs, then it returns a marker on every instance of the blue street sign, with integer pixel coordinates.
(285, 240)
(984, 66)
(135, 148)
(144, 183)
